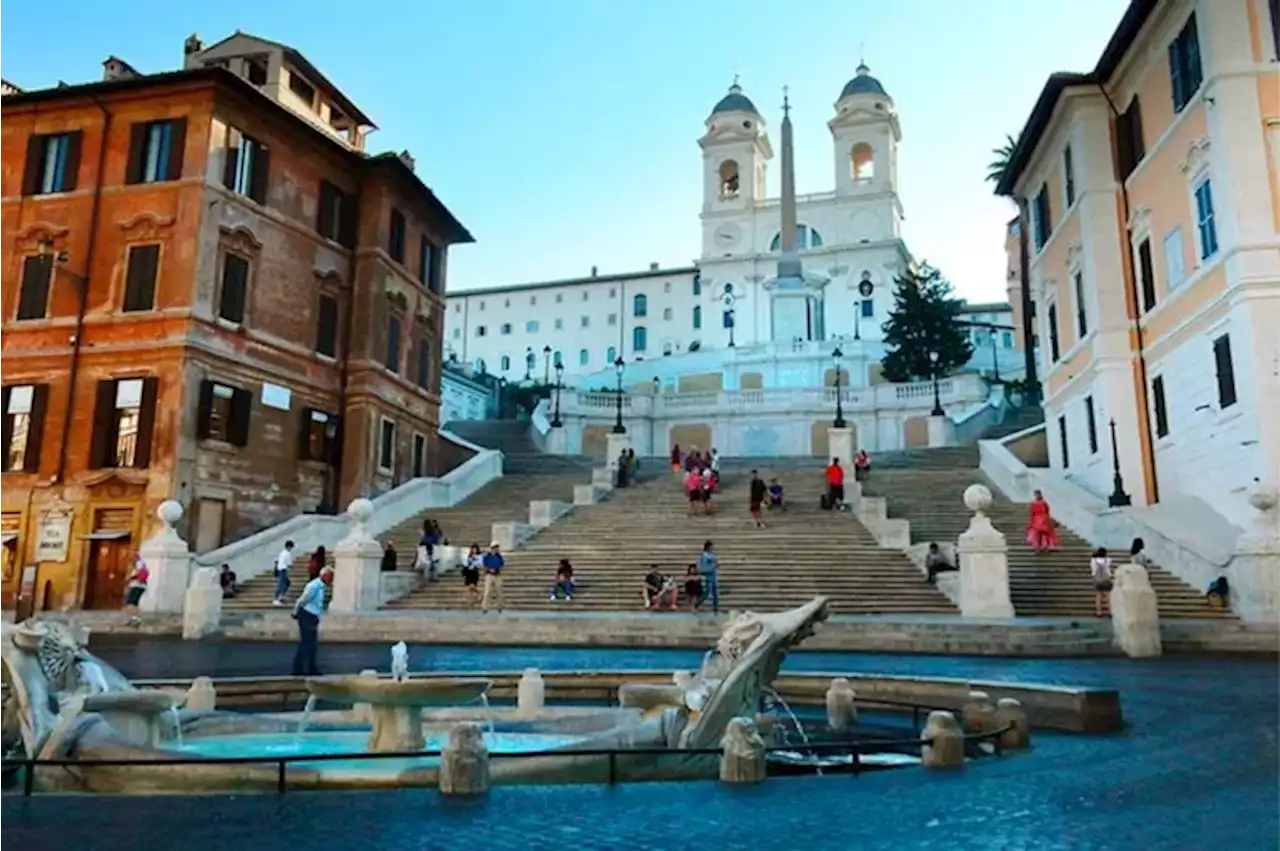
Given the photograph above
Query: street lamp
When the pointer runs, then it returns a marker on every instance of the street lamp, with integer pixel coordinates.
(555, 420)
(838, 422)
(995, 358)
(546, 365)
(502, 387)
(937, 399)
(1118, 497)
(618, 427)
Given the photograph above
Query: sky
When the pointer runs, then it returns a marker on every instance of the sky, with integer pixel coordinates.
(563, 133)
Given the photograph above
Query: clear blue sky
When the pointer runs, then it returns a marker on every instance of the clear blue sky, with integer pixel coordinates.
(563, 132)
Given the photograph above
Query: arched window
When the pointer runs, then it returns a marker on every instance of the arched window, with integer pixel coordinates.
(611, 355)
(557, 359)
(640, 305)
(584, 357)
(666, 348)
(639, 338)
(480, 366)
(697, 317)
(815, 238)
(506, 363)
(729, 179)
(806, 237)
(862, 163)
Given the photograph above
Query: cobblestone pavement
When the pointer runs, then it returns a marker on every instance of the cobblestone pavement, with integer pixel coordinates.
(1197, 768)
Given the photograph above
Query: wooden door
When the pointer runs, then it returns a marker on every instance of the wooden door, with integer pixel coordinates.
(915, 432)
(209, 514)
(109, 566)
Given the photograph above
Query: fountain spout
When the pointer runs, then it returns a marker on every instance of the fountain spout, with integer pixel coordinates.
(399, 662)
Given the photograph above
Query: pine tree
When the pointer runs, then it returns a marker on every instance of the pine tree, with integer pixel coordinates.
(924, 319)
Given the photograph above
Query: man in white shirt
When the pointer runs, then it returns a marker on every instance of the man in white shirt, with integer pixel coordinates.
(284, 561)
(308, 611)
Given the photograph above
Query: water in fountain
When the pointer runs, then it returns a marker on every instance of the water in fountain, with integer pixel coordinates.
(488, 715)
(177, 725)
(307, 709)
(779, 701)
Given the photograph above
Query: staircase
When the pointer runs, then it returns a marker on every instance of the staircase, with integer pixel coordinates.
(1016, 420)
(1053, 584)
(803, 552)
(471, 521)
(520, 456)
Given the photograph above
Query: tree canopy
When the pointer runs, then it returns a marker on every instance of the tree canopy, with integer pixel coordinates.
(924, 319)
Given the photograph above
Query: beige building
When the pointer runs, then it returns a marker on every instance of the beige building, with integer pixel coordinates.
(1152, 185)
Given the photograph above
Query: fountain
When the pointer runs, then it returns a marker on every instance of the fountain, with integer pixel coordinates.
(397, 705)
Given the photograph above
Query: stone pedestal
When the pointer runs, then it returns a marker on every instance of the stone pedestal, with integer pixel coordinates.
(743, 758)
(617, 443)
(984, 562)
(1010, 711)
(202, 609)
(840, 445)
(169, 561)
(946, 741)
(544, 512)
(586, 494)
(531, 693)
(941, 432)
(648, 697)
(396, 728)
(603, 478)
(464, 763)
(978, 714)
(1254, 575)
(357, 575)
(202, 696)
(842, 714)
(1135, 618)
(363, 712)
(557, 441)
(511, 535)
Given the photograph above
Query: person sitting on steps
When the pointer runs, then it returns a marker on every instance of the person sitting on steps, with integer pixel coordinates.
(564, 581)
(775, 495)
(657, 588)
(692, 586)
(935, 562)
(861, 466)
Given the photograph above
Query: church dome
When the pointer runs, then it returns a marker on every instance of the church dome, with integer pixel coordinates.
(863, 84)
(735, 101)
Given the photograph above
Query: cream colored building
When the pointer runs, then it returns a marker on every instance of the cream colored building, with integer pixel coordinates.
(1153, 189)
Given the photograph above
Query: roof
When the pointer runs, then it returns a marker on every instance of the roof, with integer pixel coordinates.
(394, 163)
(569, 282)
(312, 73)
(1038, 121)
(986, 307)
(735, 101)
(862, 84)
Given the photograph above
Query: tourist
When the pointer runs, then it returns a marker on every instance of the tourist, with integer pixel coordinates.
(714, 463)
(389, 558)
(621, 476)
(935, 562)
(284, 561)
(691, 460)
(472, 567)
(861, 466)
(656, 588)
(675, 457)
(227, 579)
(835, 485)
(1100, 571)
(307, 612)
(708, 569)
(1138, 554)
(493, 563)
(692, 586)
(1042, 532)
(708, 485)
(775, 495)
(758, 492)
(693, 490)
(135, 585)
(425, 560)
(633, 464)
(564, 581)
(1217, 592)
(316, 563)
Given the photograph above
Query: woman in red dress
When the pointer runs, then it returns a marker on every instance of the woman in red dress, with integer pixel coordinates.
(1042, 532)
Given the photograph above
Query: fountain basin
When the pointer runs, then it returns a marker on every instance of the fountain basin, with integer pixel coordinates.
(423, 693)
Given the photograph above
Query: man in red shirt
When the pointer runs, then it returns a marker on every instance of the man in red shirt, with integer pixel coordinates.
(835, 485)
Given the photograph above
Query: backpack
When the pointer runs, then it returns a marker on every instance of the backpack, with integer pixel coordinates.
(825, 502)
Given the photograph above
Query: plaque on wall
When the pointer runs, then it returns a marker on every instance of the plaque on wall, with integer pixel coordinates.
(53, 535)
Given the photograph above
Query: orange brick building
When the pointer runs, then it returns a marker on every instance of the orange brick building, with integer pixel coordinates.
(209, 295)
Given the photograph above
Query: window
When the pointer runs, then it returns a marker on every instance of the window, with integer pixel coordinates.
(666, 313)
(123, 420)
(23, 406)
(1205, 228)
(1068, 176)
(506, 302)
(640, 306)
(422, 365)
(531, 327)
(728, 172)
(505, 328)
(386, 445)
(392, 361)
(557, 359)
(1174, 258)
(1082, 312)
(697, 285)
(224, 413)
(336, 215)
(613, 292)
(1091, 424)
(666, 349)
(37, 276)
(559, 298)
(1158, 403)
(1146, 275)
(1006, 339)
(246, 167)
(327, 326)
(155, 151)
(419, 455)
(584, 295)
(504, 363)
(457, 333)
(140, 277)
(53, 163)
(806, 237)
(612, 319)
(697, 317)
(318, 436)
(1052, 319)
(395, 237)
(1184, 64)
(300, 87)
(585, 322)
(868, 308)
(1226, 371)
(533, 299)
(1130, 147)
(666, 287)
(584, 357)
(255, 72)
(1043, 223)
(481, 330)
(428, 265)
(639, 338)
(480, 366)
(235, 287)
(559, 324)
(1062, 436)
(611, 355)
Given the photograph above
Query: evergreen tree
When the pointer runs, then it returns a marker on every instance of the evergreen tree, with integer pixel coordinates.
(925, 319)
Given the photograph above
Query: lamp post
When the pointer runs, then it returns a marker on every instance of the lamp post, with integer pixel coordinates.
(1118, 497)
(937, 398)
(838, 422)
(555, 420)
(546, 365)
(995, 358)
(502, 387)
(618, 427)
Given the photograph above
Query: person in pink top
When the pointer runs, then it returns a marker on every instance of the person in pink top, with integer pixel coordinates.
(1042, 531)
(134, 587)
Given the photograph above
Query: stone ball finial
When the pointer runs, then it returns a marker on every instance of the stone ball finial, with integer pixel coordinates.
(977, 498)
(360, 510)
(1263, 497)
(169, 512)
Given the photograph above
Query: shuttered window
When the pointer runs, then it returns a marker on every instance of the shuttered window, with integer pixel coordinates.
(327, 326)
(247, 165)
(33, 295)
(1185, 75)
(23, 407)
(1130, 146)
(155, 151)
(1091, 425)
(224, 413)
(335, 214)
(318, 436)
(1226, 371)
(53, 163)
(395, 239)
(1147, 274)
(140, 277)
(1158, 403)
(123, 423)
(235, 286)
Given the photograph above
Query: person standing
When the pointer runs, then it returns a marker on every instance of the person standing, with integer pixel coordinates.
(1100, 572)
(134, 587)
(675, 457)
(708, 569)
(1042, 532)
(835, 485)
(758, 493)
(471, 570)
(493, 563)
(861, 466)
(307, 611)
(284, 561)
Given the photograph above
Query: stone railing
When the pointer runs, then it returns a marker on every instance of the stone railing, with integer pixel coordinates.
(255, 555)
(539, 425)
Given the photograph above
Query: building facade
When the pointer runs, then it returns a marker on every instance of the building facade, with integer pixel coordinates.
(207, 298)
(1153, 189)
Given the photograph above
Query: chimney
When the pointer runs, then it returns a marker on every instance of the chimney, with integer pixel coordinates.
(115, 68)
(192, 45)
(407, 159)
(653, 267)
(594, 271)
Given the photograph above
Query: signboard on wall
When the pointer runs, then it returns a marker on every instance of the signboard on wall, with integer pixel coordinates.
(53, 535)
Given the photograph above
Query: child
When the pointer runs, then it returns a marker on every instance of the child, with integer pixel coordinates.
(1100, 571)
